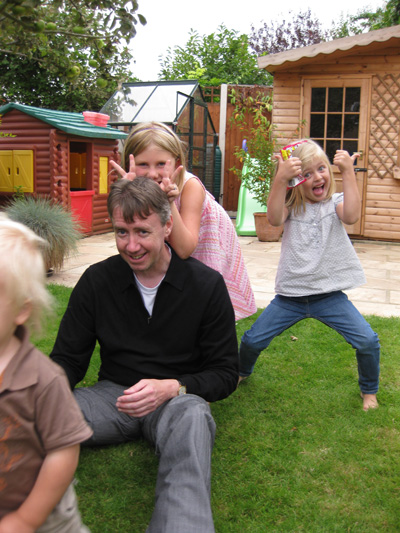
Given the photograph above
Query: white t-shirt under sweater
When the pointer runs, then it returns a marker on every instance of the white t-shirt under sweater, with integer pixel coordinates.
(148, 294)
(317, 255)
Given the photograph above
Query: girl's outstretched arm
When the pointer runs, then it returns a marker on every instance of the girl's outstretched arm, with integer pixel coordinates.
(277, 212)
(186, 222)
(349, 210)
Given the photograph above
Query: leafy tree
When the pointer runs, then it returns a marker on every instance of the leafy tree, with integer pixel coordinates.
(70, 53)
(273, 37)
(364, 20)
(221, 57)
(26, 81)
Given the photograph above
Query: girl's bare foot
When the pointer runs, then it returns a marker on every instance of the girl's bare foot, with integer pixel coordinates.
(241, 378)
(369, 401)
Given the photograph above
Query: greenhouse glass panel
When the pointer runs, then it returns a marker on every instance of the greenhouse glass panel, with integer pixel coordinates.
(144, 102)
(125, 103)
(164, 103)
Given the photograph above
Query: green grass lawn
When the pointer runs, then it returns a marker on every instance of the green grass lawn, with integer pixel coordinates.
(294, 450)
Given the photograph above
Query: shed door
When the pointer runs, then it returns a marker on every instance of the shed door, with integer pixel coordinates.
(336, 116)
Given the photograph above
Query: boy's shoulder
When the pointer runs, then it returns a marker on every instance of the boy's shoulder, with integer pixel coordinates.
(30, 366)
(37, 389)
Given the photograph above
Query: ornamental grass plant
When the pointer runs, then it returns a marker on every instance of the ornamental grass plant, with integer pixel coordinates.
(294, 450)
(50, 221)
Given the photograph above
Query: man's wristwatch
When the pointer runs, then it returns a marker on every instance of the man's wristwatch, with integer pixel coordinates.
(182, 388)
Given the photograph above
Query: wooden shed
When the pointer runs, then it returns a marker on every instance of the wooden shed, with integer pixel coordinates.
(58, 155)
(346, 94)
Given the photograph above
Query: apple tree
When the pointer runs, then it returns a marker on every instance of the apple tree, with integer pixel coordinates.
(58, 50)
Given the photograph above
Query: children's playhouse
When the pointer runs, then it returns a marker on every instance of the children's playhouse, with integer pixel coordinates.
(59, 155)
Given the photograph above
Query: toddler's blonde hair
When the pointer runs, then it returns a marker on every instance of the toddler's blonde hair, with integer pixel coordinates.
(22, 270)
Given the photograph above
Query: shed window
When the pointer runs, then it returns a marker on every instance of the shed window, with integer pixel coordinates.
(318, 100)
(335, 118)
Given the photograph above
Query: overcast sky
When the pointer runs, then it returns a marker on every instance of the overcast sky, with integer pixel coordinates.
(169, 22)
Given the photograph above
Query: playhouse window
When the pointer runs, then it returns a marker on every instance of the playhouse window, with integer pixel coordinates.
(16, 170)
(103, 175)
(80, 166)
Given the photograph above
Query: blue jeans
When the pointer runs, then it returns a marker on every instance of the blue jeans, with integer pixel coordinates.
(333, 309)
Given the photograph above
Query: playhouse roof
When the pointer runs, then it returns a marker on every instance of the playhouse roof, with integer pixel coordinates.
(340, 47)
(72, 123)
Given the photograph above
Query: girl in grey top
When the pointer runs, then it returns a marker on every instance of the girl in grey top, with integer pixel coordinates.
(317, 261)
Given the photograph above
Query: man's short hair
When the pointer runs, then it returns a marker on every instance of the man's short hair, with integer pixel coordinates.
(138, 198)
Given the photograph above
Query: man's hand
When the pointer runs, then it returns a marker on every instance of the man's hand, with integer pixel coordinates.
(148, 394)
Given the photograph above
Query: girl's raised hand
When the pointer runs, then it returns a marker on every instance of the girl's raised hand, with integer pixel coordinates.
(170, 189)
(168, 181)
(344, 161)
(131, 175)
(169, 171)
(287, 168)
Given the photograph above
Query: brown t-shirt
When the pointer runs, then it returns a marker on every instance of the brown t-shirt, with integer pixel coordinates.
(38, 415)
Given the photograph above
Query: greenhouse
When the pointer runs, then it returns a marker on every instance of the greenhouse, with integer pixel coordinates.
(180, 105)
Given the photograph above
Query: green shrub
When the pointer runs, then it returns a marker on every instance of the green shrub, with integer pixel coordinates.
(50, 221)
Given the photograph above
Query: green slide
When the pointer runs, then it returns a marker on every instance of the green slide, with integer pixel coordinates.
(247, 205)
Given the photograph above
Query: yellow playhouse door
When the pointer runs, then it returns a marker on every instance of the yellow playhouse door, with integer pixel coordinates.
(6, 171)
(23, 170)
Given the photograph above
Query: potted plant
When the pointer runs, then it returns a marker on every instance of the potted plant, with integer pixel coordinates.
(50, 221)
(256, 154)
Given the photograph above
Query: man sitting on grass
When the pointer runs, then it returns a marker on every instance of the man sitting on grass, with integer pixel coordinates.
(168, 345)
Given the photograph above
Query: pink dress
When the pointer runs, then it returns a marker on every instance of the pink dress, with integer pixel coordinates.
(219, 248)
